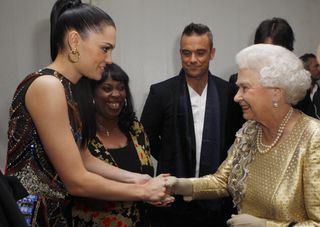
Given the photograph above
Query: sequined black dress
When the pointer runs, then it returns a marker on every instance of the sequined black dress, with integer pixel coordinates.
(27, 158)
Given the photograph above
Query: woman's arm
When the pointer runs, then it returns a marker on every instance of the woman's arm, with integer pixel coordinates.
(45, 100)
(207, 187)
(111, 172)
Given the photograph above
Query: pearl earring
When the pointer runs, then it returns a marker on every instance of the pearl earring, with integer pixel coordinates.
(275, 104)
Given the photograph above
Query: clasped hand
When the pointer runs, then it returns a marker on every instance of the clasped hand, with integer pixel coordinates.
(173, 185)
(183, 186)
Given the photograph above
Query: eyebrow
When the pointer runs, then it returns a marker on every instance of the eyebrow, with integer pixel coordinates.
(194, 50)
(108, 44)
(243, 83)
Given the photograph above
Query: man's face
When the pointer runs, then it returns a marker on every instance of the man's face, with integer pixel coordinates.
(314, 68)
(196, 54)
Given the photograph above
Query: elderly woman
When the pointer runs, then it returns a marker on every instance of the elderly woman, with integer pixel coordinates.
(272, 171)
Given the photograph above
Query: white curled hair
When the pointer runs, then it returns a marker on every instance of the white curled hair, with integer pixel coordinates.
(276, 67)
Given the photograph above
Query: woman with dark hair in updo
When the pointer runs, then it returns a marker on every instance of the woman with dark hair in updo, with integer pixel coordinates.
(47, 126)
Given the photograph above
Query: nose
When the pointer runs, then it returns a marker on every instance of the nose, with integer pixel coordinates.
(193, 58)
(108, 58)
(115, 93)
(238, 96)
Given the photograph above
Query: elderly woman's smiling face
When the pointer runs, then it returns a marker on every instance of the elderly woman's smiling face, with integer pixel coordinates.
(254, 99)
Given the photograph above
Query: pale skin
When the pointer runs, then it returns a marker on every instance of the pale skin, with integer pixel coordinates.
(256, 103)
(45, 100)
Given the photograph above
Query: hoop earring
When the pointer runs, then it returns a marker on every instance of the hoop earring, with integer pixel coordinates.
(74, 55)
(125, 103)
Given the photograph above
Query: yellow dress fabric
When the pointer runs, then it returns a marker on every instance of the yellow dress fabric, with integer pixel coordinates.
(282, 185)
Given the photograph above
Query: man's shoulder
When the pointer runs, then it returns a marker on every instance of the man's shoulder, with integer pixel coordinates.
(219, 80)
(167, 83)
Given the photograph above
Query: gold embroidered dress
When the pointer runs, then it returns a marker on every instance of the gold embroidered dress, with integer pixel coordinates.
(282, 185)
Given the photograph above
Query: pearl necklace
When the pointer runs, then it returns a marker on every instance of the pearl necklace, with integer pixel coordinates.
(263, 148)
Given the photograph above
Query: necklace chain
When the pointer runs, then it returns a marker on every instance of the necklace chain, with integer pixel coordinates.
(103, 129)
(263, 148)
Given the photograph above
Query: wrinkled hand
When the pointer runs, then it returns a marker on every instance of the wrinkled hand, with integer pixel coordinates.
(155, 189)
(246, 220)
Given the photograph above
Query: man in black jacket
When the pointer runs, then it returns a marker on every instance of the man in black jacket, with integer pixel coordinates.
(310, 105)
(191, 120)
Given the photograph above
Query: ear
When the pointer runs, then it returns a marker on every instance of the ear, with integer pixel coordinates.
(277, 94)
(213, 52)
(73, 39)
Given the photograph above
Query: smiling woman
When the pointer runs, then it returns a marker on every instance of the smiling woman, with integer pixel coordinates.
(119, 140)
(272, 169)
(45, 154)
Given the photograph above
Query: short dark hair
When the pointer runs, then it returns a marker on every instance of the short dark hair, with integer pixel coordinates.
(198, 29)
(305, 58)
(73, 14)
(278, 29)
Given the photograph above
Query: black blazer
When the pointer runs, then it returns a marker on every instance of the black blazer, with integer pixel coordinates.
(307, 106)
(11, 191)
(171, 133)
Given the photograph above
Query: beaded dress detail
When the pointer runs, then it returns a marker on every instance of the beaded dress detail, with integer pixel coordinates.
(27, 159)
(245, 138)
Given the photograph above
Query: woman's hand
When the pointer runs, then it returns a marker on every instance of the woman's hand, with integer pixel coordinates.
(155, 189)
(140, 178)
(246, 220)
(165, 202)
(180, 186)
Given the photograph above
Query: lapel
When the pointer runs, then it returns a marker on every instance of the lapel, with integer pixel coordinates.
(185, 156)
(210, 147)
(316, 103)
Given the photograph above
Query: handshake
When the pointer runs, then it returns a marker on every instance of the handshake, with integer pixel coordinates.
(160, 190)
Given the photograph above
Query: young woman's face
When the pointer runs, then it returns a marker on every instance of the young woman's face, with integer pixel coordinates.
(95, 52)
(110, 98)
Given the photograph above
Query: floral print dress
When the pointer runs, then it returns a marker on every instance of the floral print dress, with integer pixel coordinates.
(134, 157)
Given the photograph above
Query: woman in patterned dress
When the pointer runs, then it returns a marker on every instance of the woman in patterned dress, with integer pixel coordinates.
(120, 140)
(45, 127)
(273, 168)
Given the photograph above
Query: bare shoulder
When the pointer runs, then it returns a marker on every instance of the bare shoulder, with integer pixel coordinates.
(45, 92)
(46, 82)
